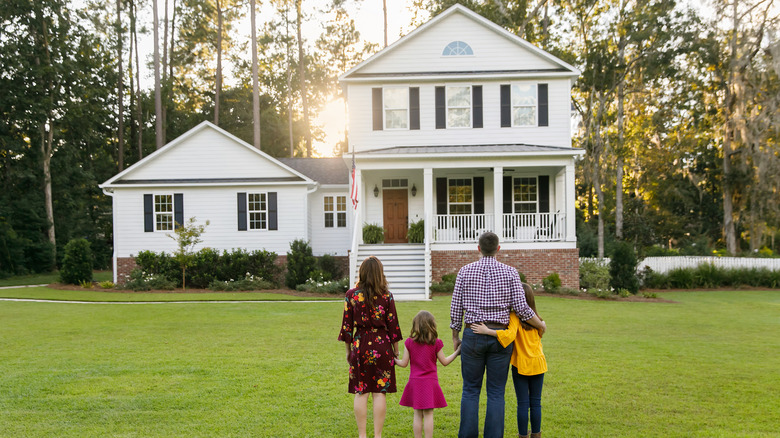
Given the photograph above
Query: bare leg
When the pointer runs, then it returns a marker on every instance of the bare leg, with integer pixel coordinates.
(361, 412)
(418, 423)
(428, 421)
(380, 409)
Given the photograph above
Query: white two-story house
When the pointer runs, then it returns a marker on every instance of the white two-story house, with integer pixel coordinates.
(460, 124)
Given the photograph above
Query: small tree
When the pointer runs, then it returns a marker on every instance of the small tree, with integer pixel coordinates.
(186, 237)
(77, 263)
(622, 268)
(300, 263)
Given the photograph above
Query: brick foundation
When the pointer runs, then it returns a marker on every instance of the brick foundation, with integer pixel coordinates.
(535, 264)
(124, 265)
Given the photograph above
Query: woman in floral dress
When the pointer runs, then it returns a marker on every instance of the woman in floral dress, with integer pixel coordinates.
(371, 333)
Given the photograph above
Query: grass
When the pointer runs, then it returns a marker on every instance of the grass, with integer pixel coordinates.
(99, 295)
(703, 367)
(47, 278)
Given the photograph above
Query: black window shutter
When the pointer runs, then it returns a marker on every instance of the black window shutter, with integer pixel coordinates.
(506, 106)
(479, 195)
(544, 193)
(148, 214)
(414, 108)
(242, 212)
(507, 194)
(543, 105)
(476, 94)
(441, 110)
(273, 222)
(178, 210)
(376, 104)
(441, 195)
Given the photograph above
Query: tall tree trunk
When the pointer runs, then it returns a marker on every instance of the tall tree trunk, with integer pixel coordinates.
(302, 74)
(47, 138)
(289, 84)
(384, 12)
(164, 113)
(729, 230)
(620, 150)
(131, 79)
(158, 125)
(255, 79)
(173, 39)
(139, 101)
(218, 89)
(120, 91)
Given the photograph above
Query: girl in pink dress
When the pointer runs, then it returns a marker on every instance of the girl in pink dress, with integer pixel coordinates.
(422, 391)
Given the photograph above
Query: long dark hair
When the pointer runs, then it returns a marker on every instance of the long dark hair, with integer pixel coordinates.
(529, 298)
(372, 279)
(424, 328)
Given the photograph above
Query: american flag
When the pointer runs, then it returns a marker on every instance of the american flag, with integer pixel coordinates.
(353, 194)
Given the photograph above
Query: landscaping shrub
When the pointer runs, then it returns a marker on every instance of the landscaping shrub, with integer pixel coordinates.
(682, 278)
(106, 285)
(329, 267)
(522, 276)
(416, 233)
(552, 283)
(204, 268)
(373, 234)
(247, 282)
(77, 263)
(446, 285)
(622, 268)
(336, 287)
(141, 281)
(158, 264)
(300, 263)
(594, 275)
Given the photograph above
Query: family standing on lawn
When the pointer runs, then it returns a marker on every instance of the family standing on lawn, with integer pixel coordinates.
(500, 327)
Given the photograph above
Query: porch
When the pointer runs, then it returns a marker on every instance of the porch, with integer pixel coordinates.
(515, 227)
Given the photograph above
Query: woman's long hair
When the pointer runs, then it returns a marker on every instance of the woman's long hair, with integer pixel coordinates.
(529, 298)
(424, 328)
(372, 279)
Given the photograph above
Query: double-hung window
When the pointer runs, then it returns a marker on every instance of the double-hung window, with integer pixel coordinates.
(257, 208)
(458, 107)
(335, 211)
(524, 104)
(460, 195)
(526, 195)
(396, 107)
(163, 212)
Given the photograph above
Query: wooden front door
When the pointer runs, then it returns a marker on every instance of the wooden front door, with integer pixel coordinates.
(396, 215)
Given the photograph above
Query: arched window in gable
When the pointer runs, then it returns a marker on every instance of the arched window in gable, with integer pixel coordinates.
(457, 48)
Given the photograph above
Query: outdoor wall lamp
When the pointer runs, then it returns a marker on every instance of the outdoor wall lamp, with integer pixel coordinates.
(414, 190)
(376, 191)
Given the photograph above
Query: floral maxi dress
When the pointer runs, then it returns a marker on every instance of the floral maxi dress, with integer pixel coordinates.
(371, 333)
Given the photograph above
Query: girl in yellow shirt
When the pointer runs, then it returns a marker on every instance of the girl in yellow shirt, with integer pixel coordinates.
(528, 366)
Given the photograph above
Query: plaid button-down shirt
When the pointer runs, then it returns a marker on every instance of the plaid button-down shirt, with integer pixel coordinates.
(486, 291)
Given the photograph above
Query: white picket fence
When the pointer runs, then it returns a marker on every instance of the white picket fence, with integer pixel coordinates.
(665, 264)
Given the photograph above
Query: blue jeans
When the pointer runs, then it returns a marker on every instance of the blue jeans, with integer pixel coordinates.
(480, 353)
(529, 396)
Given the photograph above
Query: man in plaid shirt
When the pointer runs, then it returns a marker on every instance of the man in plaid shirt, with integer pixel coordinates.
(486, 291)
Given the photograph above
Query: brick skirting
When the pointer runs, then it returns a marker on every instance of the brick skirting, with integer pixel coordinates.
(535, 264)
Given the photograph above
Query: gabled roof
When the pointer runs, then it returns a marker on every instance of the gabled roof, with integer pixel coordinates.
(257, 168)
(323, 170)
(557, 67)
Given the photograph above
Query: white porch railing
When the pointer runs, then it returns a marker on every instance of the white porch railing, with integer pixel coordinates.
(521, 227)
(534, 227)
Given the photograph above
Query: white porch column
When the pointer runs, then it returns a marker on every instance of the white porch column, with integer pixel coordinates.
(428, 215)
(571, 224)
(498, 202)
(357, 228)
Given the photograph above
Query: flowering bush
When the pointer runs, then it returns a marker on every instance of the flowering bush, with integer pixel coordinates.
(319, 285)
(248, 282)
(140, 281)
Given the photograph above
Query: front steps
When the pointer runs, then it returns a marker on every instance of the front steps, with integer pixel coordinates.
(404, 266)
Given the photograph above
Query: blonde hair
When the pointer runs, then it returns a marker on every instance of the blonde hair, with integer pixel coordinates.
(372, 279)
(424, 328)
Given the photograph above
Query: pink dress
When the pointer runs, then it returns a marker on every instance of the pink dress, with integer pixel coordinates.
(423, 390)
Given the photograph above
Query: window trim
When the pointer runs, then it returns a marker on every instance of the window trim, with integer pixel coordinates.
(157, 213)
(407, 108)
(336, 213)
(470, 203)
(447, 106)
(249, 211)
(512, 106)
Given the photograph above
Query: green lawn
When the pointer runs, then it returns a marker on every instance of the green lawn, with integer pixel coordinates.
(48, 278)
(706, 366)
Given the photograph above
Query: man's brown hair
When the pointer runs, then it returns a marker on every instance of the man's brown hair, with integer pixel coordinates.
(488, 243)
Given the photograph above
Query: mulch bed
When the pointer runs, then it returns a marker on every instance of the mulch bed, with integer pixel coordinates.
(75, 287)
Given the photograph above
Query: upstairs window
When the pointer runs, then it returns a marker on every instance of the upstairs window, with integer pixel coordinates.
(524, 104)
(458, 107)
(396, 108)
(457, 48)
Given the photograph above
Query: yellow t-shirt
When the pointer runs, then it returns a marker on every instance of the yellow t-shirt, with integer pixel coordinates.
(527, 356)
